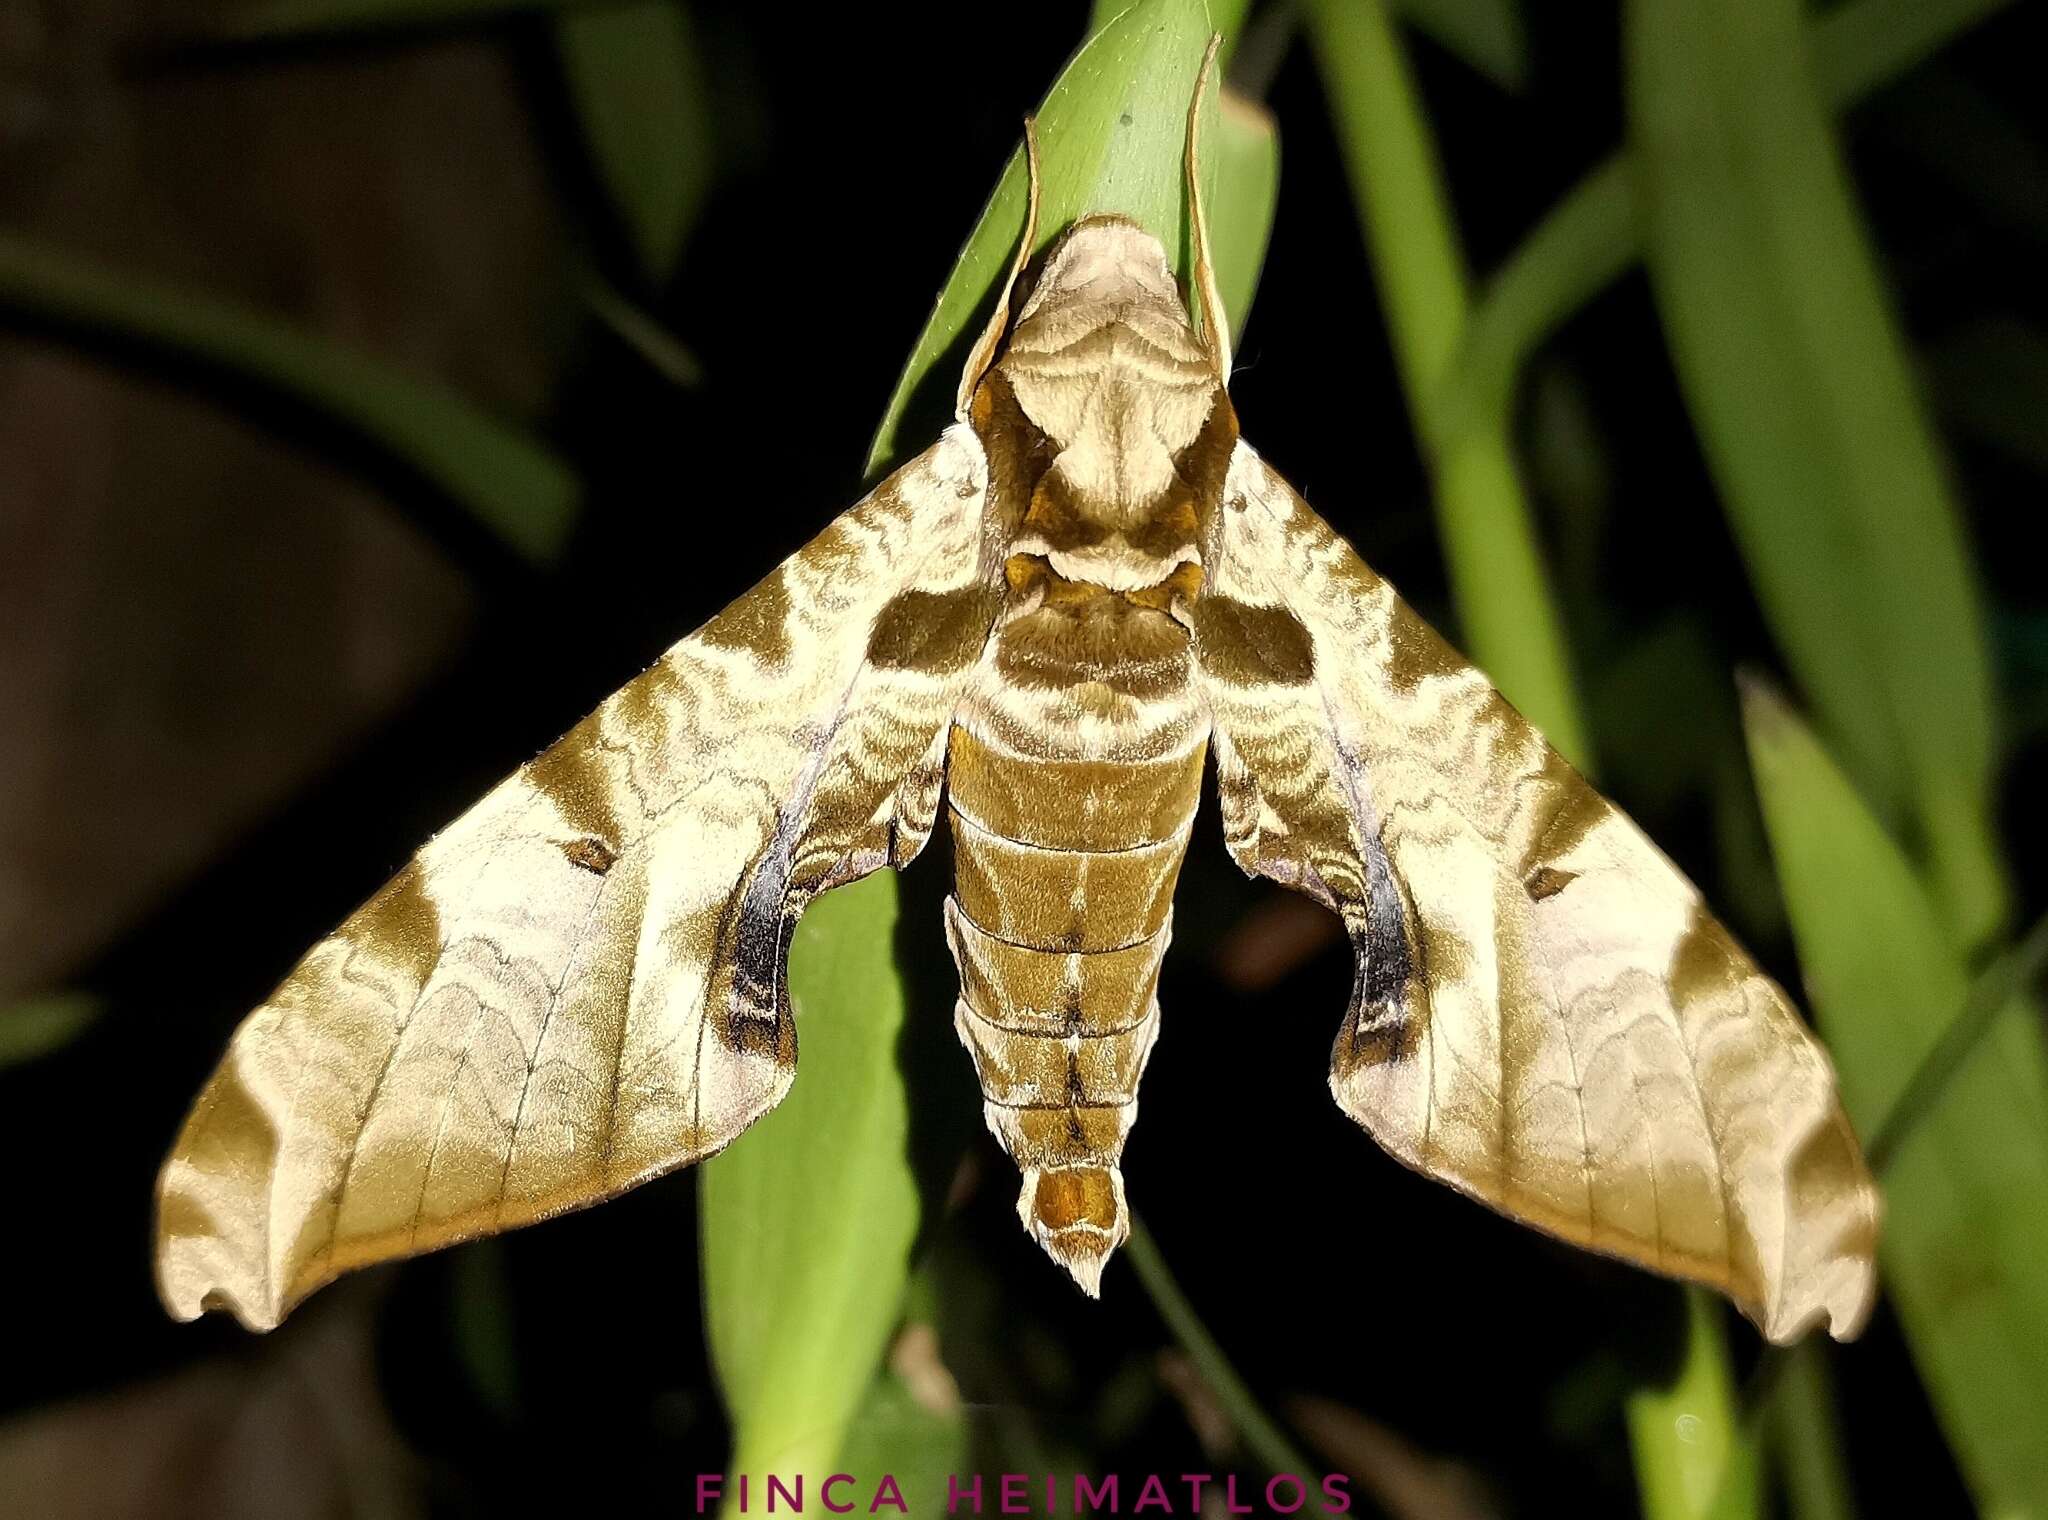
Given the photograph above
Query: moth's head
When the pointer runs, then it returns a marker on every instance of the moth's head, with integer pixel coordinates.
(1106, 261)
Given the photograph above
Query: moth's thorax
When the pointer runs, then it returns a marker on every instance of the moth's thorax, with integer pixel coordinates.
(1105, 413)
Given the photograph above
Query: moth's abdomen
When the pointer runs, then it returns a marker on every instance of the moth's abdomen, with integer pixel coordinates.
(1064, 873)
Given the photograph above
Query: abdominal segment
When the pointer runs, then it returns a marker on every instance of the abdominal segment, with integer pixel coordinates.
(1062, 907)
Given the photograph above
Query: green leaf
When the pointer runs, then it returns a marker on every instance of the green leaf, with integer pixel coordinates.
(1110, 134)
(1798, 384)
(33, 1027)
(638, 86)
(1965, 1249)
(1859, 46)
(808, 1221)
(1486, 34)
(512, 485)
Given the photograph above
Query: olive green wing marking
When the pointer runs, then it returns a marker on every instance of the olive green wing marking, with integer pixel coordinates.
(1544, 1014)
(579, 985)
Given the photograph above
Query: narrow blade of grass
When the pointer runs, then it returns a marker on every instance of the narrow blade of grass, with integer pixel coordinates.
(1260, 1433)
(1798, 383)
(808, 1223)
(1506, 613)
(637, 84)
(1966, 1227)
(512, 485)
(661, 350)
(1110, 132)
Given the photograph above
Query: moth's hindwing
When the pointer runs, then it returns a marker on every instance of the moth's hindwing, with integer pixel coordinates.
(1544, 1014)
(579, 984)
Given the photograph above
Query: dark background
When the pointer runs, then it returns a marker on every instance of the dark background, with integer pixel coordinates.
(247, 664)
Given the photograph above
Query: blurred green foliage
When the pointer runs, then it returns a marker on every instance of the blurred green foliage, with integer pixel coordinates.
(512, 484)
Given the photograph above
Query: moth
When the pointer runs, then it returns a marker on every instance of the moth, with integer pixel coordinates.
(1045, 625)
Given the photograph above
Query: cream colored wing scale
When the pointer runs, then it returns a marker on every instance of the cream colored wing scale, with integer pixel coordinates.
(1544, 1015)
(579, 985)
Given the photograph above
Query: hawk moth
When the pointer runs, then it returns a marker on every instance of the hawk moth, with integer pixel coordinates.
(1046, 625)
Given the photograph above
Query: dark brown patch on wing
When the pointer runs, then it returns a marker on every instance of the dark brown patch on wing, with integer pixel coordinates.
(646, 707)
(757, 623)
(402, 924)
(1379, 1039)
(1249, 645)
(931, 631)
(1548, 881)
(592, 855)
(1705, 962)
(1416, 651)
(764, 1036)
(1383, 1025)
(1571, 810)
(572, 775)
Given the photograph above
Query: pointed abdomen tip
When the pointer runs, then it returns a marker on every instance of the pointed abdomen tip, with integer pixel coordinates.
(1077, 1213)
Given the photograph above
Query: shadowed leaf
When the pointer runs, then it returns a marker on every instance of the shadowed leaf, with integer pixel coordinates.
(275, 20)
(637, 82)
(511, 484)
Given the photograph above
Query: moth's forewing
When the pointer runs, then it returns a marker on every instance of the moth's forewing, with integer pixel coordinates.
(1544, 1016)
(579, 984)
